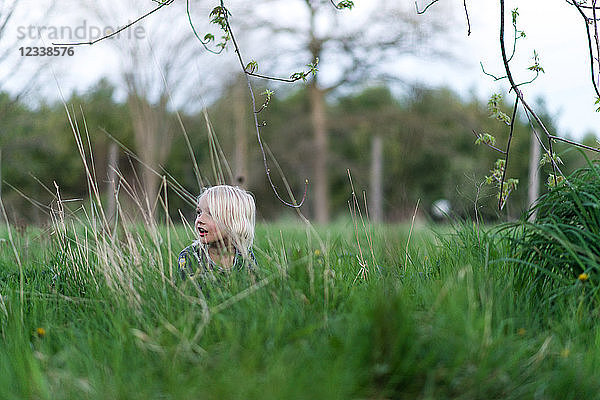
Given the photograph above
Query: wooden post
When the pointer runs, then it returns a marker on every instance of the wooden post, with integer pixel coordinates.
(112, 165)
(0, 172)
(240, 134)
(534, 179)
(376, 201)
(320, 181)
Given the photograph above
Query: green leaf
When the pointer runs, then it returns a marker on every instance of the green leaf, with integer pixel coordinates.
(251, 67)
(494, 108)
(345, 4)
(546, 159)
(515, 15)
(486, 138)
(536, 63)
(551, 182)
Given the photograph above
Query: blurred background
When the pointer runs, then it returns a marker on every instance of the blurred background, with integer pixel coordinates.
(396, 104)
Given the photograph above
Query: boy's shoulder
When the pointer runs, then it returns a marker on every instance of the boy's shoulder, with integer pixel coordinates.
(191, 250)
(240, 262)
(189, 259)
(192, 260)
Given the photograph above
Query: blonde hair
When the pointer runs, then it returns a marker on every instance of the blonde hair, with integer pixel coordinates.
(233, 210)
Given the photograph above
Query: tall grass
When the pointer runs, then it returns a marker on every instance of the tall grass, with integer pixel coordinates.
(451, 324)
(93, 308)
(559, 252)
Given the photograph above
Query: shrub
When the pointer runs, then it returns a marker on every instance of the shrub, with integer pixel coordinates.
(561, 247)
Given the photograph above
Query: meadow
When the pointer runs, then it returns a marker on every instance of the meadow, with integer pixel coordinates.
(344, 311)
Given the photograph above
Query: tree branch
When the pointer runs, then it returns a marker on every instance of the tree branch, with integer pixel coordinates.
(583, 146)
(426, 7)
(467, 16)
(161, 5)
(256, 124)
(502, 200)
(591, 51)
(491, 146)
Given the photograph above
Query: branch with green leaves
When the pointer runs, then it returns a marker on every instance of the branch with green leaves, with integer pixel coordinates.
(344, 4)
(161, 4)
(498, 175)
(219, 16)
(593, 38)
(432, 2)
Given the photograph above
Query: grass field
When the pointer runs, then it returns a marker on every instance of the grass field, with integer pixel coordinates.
(85, 316)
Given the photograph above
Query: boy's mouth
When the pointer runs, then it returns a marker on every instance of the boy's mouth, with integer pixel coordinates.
(202, 232)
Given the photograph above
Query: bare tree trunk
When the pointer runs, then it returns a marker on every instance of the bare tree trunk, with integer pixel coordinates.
(376, 201)
(2, 217)
(112, 166)
(144, 132)
(11, 66)
(0, 173)
(534, 179)
(319, 125)
(152, 140)
(241, 132)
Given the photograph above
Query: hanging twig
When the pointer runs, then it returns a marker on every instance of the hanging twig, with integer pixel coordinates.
(494, 77)
(223, 19)
(256, 124)
(204, 42)
(590, 46)
(519, 93)
(161, 5)
(467, 16)
(491, 146)
(342, 4)
(426, 7)
(529, 112)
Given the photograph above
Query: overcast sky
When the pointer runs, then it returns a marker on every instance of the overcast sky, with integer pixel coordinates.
(553, 29)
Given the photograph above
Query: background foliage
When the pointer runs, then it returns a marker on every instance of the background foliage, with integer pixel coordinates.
(429, 150)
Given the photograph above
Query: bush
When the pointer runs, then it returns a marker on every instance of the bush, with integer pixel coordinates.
(561, 247)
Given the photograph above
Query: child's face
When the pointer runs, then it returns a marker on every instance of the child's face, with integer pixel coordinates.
(205, 225)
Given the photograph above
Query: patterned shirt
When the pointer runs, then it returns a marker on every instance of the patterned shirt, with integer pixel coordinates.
(193, 261)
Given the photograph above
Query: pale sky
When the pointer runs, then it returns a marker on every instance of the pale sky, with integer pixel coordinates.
(553, 29)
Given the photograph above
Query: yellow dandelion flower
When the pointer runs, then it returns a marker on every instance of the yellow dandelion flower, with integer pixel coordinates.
(521, 331)
(317, 252)
(41, 332)
(565, 352)
(583, 277)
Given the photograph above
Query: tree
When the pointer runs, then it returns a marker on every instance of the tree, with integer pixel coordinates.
(32, 163)
(11, 62)
(240, 115)
(350, 49)
(359, 47)
(103, 114)
(587, 9)
(156, 73)
(428, 151)
(373, 114)
(7, 11)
